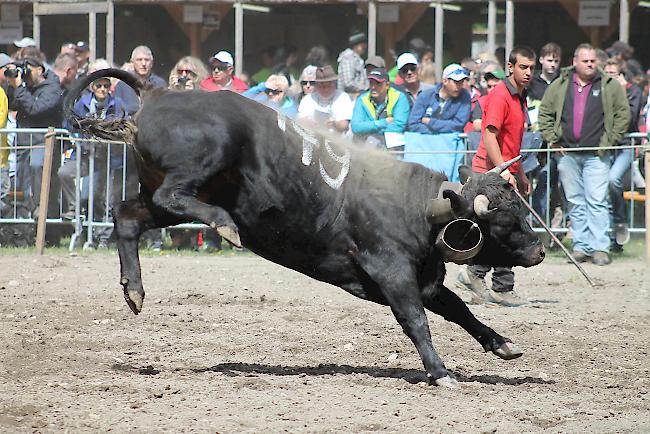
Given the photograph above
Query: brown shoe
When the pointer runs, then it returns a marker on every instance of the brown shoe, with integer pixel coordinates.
(579, 256)
(600, 258)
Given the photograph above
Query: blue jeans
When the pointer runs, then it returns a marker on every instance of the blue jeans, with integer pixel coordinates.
(621, 165)
(585, 179)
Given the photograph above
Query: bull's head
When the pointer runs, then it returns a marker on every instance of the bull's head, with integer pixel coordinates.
(492, 203)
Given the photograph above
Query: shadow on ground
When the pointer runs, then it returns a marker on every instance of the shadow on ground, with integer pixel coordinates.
(412, 376)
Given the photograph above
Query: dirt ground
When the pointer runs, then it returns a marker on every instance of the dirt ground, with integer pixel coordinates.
(238, 344)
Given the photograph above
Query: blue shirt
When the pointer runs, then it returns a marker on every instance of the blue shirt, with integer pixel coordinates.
(447, 116)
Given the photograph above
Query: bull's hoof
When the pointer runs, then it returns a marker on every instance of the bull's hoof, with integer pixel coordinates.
(229, 234)
(508, 351)
(447, 381)
(134, 300)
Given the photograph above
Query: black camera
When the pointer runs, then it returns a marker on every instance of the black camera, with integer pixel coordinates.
(182, 80)
(21, 68)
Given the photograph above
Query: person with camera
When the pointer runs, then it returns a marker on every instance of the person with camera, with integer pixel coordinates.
(187, 74)
(37, 98)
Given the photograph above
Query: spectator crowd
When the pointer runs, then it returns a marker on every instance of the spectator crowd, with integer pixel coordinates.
(592, 104)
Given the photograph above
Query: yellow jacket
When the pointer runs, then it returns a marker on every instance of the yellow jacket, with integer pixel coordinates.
(4, 145)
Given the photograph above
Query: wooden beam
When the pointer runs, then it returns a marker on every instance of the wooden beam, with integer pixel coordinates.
(70, 8)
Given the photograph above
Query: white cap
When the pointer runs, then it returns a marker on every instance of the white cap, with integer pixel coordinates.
(224, 57)
(25, 42)
(406, 59)
(455, 72)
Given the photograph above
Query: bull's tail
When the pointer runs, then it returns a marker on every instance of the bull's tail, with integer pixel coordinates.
(108, 129)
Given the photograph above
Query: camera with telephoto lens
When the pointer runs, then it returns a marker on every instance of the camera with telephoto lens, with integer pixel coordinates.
(182, 80)
(21, 68)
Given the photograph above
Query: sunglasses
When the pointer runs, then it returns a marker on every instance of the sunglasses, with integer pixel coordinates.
(100, 85)
(273, 91)
(221, 68)
(408, 68)
(185, 71)
(307, 83)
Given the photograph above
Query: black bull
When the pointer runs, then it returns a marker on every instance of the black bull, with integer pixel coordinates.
(352, 218)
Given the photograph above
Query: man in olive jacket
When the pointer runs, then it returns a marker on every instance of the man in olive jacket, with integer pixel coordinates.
(585, 108)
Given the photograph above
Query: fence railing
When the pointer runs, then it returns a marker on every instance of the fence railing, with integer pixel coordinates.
(90, 175)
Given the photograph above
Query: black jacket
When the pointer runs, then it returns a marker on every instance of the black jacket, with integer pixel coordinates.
(39, 106)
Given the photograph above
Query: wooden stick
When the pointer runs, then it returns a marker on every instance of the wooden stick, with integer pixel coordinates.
(45, 191)
(555, 239)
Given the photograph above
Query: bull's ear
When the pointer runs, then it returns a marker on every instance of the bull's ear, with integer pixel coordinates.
(460, 206)
(464, 172)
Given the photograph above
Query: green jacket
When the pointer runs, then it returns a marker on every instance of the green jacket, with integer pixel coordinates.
(615, 108)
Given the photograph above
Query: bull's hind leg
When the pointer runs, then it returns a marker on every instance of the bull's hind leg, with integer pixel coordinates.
(440, 300)
(177, 195)
(131, 218)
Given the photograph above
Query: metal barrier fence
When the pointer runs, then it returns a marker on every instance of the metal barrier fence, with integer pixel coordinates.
(89, 175)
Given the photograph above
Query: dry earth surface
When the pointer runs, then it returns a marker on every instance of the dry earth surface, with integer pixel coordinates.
(238, 344)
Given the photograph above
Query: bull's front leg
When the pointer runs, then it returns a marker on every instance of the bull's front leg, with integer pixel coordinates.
(131, 218)
(440, 300)
(177, 197)
(398, 286)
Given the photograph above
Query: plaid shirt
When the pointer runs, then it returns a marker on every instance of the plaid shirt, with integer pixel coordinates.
(352, 74)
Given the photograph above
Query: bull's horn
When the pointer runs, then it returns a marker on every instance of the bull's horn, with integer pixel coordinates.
(481, 203)
(503, 166)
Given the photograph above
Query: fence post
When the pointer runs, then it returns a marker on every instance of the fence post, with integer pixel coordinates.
(45, 191)
(647, 209)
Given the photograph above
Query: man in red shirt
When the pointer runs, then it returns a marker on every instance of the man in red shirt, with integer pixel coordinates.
(502, 130)
(222, 77)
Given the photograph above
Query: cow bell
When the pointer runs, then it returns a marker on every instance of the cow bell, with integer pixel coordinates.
(459, 241)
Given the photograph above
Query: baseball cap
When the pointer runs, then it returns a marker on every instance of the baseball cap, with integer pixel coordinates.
(82, 46)
(25, 42)
(406, 59)
(378, 74)
(455, 72)
(376, 61)
(5, 60)
(498, 74)
(223, 57)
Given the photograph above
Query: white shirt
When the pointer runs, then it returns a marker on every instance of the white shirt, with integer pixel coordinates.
(339, 108)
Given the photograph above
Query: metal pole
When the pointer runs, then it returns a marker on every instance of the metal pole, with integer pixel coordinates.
(91, 195)
(36, 31)
(510, 28)
(372, 28)
(92, 35)
(439, 29)
(492, 26)
(110, 32)
(239, 38)
(624, 21)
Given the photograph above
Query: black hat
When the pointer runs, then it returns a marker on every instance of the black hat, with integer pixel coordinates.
(357, 38)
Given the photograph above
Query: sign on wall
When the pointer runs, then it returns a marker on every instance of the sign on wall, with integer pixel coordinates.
(388, 13)
(593, 13)
(192, 14)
